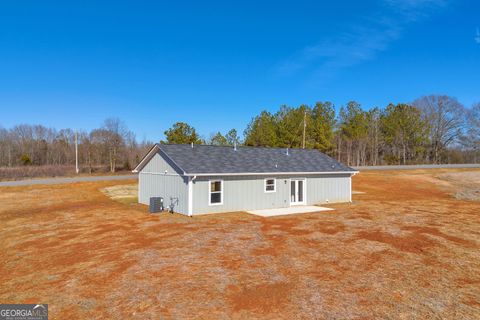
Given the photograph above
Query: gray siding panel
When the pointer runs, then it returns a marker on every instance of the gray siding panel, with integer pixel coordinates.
(323, 189)
(158, 164)
(153, 182)
(247, 192)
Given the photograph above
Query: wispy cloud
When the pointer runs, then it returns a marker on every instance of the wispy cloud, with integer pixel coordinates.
(362, 41)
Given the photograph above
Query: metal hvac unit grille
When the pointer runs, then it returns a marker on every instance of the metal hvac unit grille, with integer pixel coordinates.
(156, 204)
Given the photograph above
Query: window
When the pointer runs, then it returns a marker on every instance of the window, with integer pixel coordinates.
(215, 193)
(270, 185)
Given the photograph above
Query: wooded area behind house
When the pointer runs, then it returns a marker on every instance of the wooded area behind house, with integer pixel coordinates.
(432, 129)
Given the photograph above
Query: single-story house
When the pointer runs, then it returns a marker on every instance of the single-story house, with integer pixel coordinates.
(198, 179)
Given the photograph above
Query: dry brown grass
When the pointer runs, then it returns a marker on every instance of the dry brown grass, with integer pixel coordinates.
(23, 172)
(467, 184)
(405, 249)
(48, 171)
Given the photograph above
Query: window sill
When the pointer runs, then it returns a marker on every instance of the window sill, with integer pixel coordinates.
(215, 204)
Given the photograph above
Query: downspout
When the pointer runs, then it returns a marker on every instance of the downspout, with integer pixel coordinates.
(190, 195)
(350, 182)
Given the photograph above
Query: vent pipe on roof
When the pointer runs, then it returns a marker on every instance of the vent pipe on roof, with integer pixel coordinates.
(287, 152)
(235, 146)
(192, 145)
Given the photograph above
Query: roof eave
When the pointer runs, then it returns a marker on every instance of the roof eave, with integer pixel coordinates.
(268, 173)
(150, 154)
(145, 159)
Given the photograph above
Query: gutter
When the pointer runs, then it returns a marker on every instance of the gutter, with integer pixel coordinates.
(266, 173)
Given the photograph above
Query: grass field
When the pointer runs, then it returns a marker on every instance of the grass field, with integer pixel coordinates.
(49, 171)
(407, 247)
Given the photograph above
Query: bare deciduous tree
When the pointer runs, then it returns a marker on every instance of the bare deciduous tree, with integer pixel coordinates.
(471, 139)
(113, 145)
(444, 115)
(116, 133)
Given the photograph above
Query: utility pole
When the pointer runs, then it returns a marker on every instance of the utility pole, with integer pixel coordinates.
(304, 127)
(9, 155)
(76, 152)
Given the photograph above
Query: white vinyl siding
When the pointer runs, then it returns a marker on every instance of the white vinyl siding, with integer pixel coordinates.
(242, 193)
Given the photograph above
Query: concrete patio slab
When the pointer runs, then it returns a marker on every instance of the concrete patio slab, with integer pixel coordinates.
(285, 211)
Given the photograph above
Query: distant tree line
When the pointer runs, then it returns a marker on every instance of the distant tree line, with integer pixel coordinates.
(432, 129)
(112, 146)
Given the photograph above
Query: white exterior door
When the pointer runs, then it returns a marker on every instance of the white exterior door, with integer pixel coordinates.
(297, 191)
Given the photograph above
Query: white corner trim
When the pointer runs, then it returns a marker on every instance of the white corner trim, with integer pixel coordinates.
(274, 185)
(305, 190)
(210, 193)
(190, 196)
(350, 188)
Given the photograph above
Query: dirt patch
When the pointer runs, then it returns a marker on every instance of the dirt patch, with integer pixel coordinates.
(438, 233)
(332, 228)
(415, 243)
(263, 298)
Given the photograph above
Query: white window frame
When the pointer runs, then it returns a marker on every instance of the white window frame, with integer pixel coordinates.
(210, 192)
(274, 185)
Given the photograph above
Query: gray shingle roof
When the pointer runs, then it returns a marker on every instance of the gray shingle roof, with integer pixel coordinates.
(204, 159)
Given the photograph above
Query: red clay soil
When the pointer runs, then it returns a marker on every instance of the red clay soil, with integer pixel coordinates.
(406, 248)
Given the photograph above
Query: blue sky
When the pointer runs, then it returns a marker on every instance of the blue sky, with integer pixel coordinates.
(215, 64)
